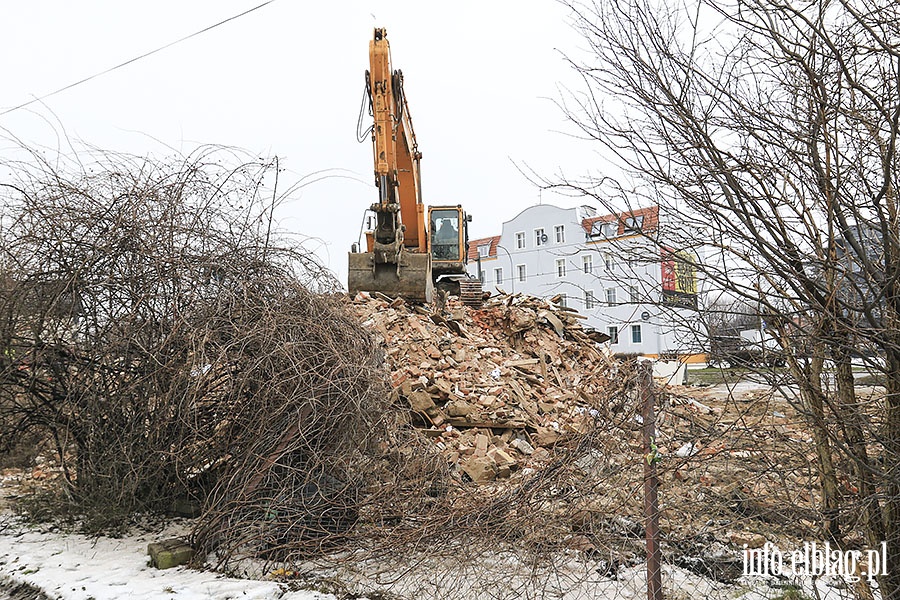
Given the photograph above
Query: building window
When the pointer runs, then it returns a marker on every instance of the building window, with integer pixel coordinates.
(587, 263)
(521, 270)
(484, 250)
(481, 276)
(498, 276)
(611, 296)
(609, 260)
(520, 240)
(589, 300)
(613, 333)
(561, 267)
(635, 334)
(634, 295)
(540, 238)
(563, 301)
(634, 223)
(560, 231)
(607, 230)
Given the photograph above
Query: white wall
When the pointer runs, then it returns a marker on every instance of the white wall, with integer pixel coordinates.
(662, 329)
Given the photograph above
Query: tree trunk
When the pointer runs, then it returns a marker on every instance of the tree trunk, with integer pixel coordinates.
(812, 399)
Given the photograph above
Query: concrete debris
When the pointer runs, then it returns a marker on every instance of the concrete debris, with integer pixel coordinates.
(747, 539)
(522, 446)
(687, 450)
(169, 553)
(491, 385)
(590, 463)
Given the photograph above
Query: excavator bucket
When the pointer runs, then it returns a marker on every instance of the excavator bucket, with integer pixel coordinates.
(412, 280)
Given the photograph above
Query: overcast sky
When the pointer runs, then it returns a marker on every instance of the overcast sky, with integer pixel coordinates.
(287, 80)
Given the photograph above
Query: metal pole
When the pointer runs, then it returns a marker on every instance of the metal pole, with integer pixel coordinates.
(651, 482)
(512, 268)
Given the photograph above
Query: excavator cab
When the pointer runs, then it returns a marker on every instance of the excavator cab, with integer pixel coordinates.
(447, 239)
(448, 228)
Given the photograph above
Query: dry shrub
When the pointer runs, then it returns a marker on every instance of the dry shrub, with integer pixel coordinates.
(152, 329)
(301, 406)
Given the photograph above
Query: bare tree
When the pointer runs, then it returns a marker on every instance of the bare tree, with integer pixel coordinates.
(768, 132)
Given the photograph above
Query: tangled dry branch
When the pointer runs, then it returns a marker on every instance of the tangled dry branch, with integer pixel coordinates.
(150, 327)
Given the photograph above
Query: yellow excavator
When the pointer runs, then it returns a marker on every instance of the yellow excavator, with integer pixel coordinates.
(406, 254)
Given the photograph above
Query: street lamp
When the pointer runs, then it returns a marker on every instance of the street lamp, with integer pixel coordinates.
(512, 275)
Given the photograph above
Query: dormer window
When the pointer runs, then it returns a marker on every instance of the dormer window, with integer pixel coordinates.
(634, 223)
(607, 229)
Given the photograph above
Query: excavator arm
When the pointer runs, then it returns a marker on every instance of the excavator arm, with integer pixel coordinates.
(404, 255)
(397, 260)
(396, 153)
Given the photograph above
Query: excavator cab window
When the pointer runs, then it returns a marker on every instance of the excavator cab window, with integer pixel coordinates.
(445, 235)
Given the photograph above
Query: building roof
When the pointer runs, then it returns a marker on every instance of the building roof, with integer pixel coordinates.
(475, 244)
(649, 220)
(579, 212)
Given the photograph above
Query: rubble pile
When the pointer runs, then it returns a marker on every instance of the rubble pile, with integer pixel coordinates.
(494, 388)
(518, 385)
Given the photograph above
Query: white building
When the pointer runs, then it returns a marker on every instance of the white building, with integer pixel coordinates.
(611, 268)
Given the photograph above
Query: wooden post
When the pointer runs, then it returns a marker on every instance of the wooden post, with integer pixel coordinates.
(651, 482)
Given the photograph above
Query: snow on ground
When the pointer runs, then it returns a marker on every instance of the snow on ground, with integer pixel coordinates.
(75, 567)
(67, 566)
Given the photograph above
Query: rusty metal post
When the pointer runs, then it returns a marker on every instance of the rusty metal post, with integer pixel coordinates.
(651, 482)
